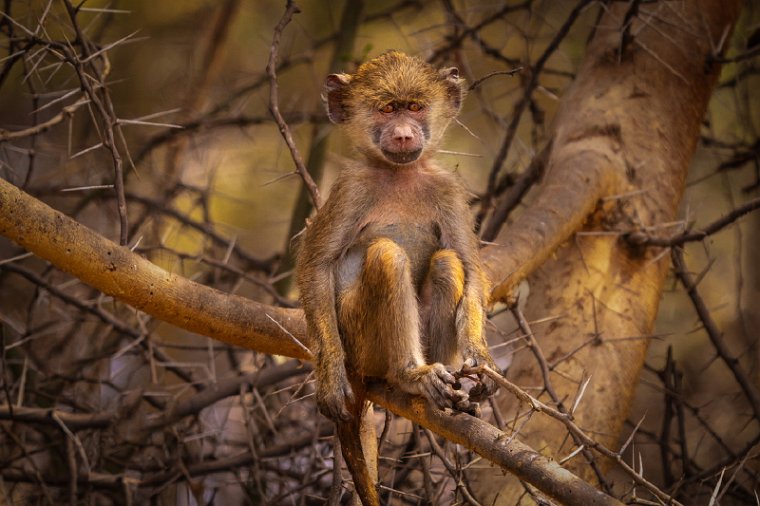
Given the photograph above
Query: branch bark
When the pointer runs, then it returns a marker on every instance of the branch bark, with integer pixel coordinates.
(117, 271)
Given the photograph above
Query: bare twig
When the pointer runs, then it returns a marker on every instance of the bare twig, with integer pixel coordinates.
(455, 473)
(625, 37)
(274, 106)
(698, 235)
(66, 113)
(102, 102)
(480, 81)
(575, 430)
(748, 387)
(545, 373)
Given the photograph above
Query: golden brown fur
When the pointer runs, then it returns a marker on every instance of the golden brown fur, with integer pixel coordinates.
(389, 270)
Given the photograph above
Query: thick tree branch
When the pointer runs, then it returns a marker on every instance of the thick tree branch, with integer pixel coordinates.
(116, 271)
(626, 126)
(496, 446)
(582, 173)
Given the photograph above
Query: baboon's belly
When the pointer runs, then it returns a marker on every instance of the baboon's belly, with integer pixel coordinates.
(419, 241)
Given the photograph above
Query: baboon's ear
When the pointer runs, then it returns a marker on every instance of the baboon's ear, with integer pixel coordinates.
(334, 97)
(455, 86)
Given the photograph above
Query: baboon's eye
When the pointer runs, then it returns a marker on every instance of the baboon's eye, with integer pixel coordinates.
(414, 106)
(388, 108)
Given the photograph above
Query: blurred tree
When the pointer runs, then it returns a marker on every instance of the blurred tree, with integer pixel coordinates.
(172, 146)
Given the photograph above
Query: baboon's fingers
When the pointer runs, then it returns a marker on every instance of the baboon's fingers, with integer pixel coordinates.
(444, 374)
(438, 385)
(450, 386)
(440, 390)
(479, 392)
(435, 389)
(436, 395)
(484, 389)
(457, 385)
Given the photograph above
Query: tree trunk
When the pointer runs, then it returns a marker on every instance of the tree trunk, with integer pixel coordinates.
(623, 140)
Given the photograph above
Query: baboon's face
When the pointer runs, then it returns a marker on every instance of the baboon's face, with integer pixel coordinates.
(395, 107)
(400, 131)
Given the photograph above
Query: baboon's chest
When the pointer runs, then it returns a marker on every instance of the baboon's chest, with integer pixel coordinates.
(405, 212)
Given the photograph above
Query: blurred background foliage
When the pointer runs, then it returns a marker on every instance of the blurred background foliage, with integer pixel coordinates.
(213, 200)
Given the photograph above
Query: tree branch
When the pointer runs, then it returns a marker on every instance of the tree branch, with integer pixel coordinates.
(498, 447)
(583, 172)
(640, 238)
(117, 271)
(716, 337)
(274, 105)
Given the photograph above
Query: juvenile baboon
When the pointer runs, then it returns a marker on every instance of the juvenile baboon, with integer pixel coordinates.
(389, 270)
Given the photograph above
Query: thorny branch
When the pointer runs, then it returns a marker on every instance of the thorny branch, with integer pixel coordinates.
(528, 89)
(100, 402)
(87, 70)
(697, 235)
(578, 433)
(274, 105)
(748, 387)
(545, 373)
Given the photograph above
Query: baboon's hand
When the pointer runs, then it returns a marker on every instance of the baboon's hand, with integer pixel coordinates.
(485, 386)
(334, 393)
(434, 382)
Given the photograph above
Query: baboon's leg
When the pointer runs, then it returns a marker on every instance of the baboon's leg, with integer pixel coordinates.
(445, 285)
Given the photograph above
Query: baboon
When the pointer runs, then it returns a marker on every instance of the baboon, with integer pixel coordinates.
(389, 271)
